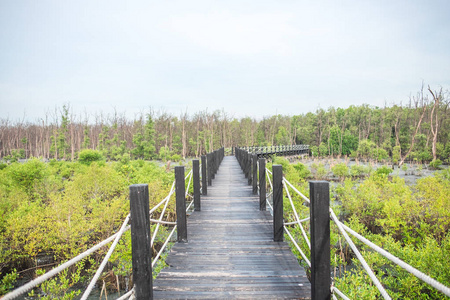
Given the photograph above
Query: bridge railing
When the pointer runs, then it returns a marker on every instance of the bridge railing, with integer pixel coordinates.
(276, 150)
(141, 238)
(272, 186)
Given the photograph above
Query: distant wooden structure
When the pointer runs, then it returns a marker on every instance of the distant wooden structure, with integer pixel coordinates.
(282, 150)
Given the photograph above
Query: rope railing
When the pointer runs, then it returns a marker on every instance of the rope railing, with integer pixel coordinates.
(343, 229)
(296, 214)
(115, 238)
(105, 259)
(287, 149)
(127, 295)
(32, 284)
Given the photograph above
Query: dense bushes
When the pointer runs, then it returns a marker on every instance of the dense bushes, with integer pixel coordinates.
(59, 209)
(411, 222)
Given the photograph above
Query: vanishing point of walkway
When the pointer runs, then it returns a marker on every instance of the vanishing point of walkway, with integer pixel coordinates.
(230, 251)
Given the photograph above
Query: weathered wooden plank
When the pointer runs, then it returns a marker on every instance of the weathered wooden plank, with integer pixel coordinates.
(231, 252)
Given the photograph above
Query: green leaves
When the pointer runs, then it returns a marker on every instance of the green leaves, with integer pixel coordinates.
(87, 156)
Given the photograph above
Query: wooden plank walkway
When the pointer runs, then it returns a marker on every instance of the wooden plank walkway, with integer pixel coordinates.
(230, 253)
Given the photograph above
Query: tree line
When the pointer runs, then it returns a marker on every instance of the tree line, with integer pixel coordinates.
(416, 130)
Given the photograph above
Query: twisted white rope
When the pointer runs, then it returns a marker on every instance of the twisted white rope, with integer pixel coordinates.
(105, 259)
(297, 191)
(164, 246)
(188, 174)
(360, 257)
(342, 295)
(189, 182)
(28, 286)
(427, 279)
(296, 215)
(189, 206)
(268, 177)
(127, 295)
(162, 222)
(165, 199)
(297, 246)
(296, 222)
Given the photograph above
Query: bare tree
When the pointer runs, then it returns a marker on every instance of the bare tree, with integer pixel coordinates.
(419, 100)
(437, 96)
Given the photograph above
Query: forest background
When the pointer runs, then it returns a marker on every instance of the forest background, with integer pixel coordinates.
(418, 130)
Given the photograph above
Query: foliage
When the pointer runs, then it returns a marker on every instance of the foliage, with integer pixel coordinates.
(88, 156)
(28, 175)
(318, 171)
(144, 140)
(360, 170)
(435, 164)
(366, 148)
(412, 223)
(340, 170)
(8, 281)
(61, 208)
(384, 171)
(59, 288)
(302, 170)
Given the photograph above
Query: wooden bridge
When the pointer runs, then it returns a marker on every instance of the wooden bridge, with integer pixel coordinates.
(230, 252)
(231, 247)
(283, 150)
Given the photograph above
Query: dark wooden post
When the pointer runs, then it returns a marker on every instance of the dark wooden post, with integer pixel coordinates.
(204, 178)
(196, 179)
(140, 241)
(180, 193)
(262, 184)
(255, 173)
(249, 168)
(277, 171)
(213, 164)
(244, 163)
(319, 193)
(209, 165)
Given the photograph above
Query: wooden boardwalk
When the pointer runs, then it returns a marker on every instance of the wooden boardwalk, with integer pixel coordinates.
(230, 253)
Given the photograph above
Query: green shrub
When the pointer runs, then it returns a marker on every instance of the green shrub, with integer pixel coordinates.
(176, 157)
(380, 154)
(7, 282)
(314, 151)
(88, 156)
(384, 170)
(302, 170)
(340, 170)
(435, 164)
(3, 166)
(28, 174)
(318, 170)
(357, 170)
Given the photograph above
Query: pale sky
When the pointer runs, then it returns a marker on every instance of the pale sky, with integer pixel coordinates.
(249, 58)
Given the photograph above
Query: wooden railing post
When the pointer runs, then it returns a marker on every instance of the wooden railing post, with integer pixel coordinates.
(249, 168)
(204, 177)
(180, 192)
(255, 173)
(217, 155)
(196, 179)
(262, 184)
(277, 171)
(319, 193)
(140, 241)
(209, 166)
(213, 164)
